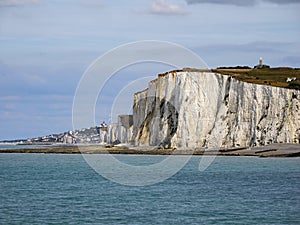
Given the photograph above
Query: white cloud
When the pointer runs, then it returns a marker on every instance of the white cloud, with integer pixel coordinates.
(34, 79)
(13, 3)
(10, 98)
(93, 3)
(162, 7)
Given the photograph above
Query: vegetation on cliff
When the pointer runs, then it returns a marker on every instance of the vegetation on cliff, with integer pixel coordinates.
(277, 77)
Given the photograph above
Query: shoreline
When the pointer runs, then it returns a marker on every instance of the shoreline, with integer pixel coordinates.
(273, 150)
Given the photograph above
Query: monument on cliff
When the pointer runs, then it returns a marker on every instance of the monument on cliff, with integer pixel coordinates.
(261, 65)
(260, 62)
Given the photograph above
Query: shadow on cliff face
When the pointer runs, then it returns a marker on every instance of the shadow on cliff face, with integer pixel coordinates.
(168, 112)
(161, 122)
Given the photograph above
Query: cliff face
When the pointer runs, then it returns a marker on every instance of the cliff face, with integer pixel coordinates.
(120, 132)
(204, 109)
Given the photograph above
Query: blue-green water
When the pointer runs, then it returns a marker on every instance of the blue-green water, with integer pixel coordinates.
(63, 189)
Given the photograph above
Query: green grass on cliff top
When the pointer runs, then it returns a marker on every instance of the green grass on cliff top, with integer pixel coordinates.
(267, 76)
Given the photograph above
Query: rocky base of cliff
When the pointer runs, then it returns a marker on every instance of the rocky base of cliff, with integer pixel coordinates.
(273, 150)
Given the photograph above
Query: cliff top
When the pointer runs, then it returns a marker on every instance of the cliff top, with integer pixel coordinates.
(284, 77)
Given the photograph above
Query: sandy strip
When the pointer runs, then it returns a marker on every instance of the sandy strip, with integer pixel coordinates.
(274, 150)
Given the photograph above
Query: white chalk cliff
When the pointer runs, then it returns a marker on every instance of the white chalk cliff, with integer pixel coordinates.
(194, 109)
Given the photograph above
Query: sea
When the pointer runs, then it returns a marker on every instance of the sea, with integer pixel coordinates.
(64, 189)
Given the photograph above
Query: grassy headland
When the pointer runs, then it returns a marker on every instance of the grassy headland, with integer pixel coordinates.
(267, 76)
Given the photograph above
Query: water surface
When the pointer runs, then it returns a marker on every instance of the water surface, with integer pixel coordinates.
(63, 189)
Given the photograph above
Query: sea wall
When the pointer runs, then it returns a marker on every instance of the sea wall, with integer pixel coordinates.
(206, 110)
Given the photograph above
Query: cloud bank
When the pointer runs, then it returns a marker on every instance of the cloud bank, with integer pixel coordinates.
(242, 2)
(14, 3)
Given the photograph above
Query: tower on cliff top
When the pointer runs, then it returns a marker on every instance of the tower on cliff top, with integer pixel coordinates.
(260, 62)
(261, 65)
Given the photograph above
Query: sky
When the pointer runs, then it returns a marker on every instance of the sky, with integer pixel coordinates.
(47, 45)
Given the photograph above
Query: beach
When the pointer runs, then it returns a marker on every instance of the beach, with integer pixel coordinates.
(273, 150)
